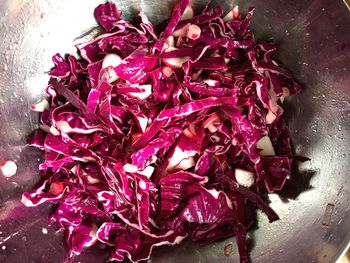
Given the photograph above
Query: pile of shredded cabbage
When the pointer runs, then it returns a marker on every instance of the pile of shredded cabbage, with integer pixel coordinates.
(156, 134)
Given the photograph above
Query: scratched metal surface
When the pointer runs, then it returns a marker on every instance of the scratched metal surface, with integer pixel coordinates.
(314, 42)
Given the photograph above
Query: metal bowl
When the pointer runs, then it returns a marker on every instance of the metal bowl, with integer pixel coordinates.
(314, 42)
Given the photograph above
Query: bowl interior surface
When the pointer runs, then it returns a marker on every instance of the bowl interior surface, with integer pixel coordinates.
(313, 42)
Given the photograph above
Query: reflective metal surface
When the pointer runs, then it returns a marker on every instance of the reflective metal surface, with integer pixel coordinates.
(314, 42)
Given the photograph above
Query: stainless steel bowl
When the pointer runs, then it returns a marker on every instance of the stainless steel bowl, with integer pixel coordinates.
(314, 42)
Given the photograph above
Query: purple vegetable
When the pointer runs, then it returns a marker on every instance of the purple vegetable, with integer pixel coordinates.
(153, 137)
(106, 15)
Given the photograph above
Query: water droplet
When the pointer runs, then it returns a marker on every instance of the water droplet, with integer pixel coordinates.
(44, 231)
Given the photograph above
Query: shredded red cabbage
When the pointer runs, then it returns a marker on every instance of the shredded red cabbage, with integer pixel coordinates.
(153, 137)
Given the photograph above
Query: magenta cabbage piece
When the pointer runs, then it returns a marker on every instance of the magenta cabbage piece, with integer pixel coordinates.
(152, 137)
